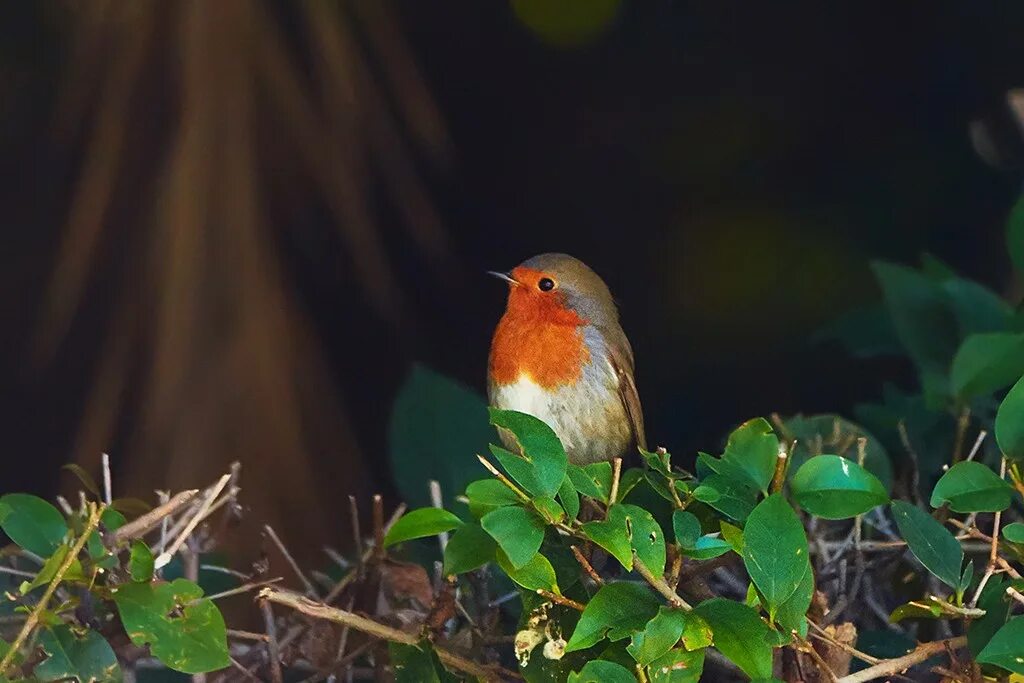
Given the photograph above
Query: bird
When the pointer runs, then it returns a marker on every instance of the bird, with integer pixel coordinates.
(559, 354)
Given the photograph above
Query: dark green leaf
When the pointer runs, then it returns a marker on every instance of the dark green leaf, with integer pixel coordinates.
(414, 664)
(489, 494)
(752, 449)
(611, 535)
(421, 523)
(601, 671)
(1009, 423)
(49, 570)
(830, 433)
(659, 462)
(863, 332)
(1006, 647)
(140, 562)
(971, 487)
(729, 497)
(1014, 532)
(184, 632)
(996, 604)
(630, 528)
(976, 308)
(932, 544)
(569, 498)
(436, 426)
(740, 635)
(88, 658)
(677, 666)
(518, 531)
(792, 614)
(620, 606)
(686, 527)
(832, 487)
(986, 363)
(775, 550)
(659, 635)
(536, 573)
(591, 482)
(549, 509)
(469, 548)
(540, 447)
(32, 523)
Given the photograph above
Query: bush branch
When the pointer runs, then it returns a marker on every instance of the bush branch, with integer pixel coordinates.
(888, 667)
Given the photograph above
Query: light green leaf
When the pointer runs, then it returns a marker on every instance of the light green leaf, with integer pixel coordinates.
(421, 523)
(659, 635)
(630, 528)
(88, 659)
(611, 535)
(832, 487)
(518, 531)
(986, 363)
(469, 548)
(750, 454)
(601, 671)
(932, 544)
(536, 573)
(740, 635)
(996, 604)
(1009, 423)
(971, 487)
(32, 523)
(140, 562)
(488, 494)
(1006, 648)
(184, 632)
(775, 550)
(707, 548)
(1014, 532)
(677, 666)
(539, 446)
(624, 607)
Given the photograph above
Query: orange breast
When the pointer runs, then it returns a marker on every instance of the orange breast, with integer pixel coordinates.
(538, 337)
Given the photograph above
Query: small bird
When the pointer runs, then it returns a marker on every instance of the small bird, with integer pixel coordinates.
(559, 354)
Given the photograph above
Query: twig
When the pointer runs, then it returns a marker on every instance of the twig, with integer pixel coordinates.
(247, 635)
(502, 478)
(561, 599)
(165, 557)
(107, 488)
(587, 567)
(659, 584)
(915, 471)
(889, 667)
(977, 444)
(437, 501)
(318, 610)
(357, 534)
(816, 656)
(69, 559)
(272, 646)
(1015, 594)
(378, 527)
(363, 557)
(310, 588)
(140, 526)
(993, 554)
(823, 635)
(240, 589)
(616, 475)
(779, 477)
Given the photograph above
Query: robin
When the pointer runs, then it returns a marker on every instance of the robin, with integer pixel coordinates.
(560, 355)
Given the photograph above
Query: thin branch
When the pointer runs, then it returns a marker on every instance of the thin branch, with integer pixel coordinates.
(1015, 594)
(779, 477)
(977, 444)
(273, 648)
(69, 559)
(318, 610)
(889, 667)
(616, 476)
(140, 526)
(659, 585)
(993, 554)
(561, 599)
(310, 588)
(107, 487)
(502, 478)
(587, 567)
(438, 501)
(165, 557)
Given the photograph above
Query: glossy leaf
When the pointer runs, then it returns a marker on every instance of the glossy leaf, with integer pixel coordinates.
(184, 632)
(1006, 647)
(830, 433)
(996, 604)
(832, 487)
(32, 523)
(686, 527)
(620, 607)
(749, 456)
(1014, 532)
(1010, 423)
(140, 562)
(775, 550)
(419, 524)
(536, 573)
(658, 636)
(707, 548)
(518, 531)
(677, 666)
(88, 658)
(539, 447)
(739, 634)
(489, 494)
(733, 499)
(469, 548)
(972, 487)
(986, 363)
(930, 542)
(601, 671)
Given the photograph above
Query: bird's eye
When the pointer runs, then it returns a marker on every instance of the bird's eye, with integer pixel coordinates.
(546, 284)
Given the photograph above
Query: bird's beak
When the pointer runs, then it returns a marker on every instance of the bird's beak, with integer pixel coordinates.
(504, 276)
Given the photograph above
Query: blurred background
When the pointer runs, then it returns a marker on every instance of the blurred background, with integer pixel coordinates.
(234, 230)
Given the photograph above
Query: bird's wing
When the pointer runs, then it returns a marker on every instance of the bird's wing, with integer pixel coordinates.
(621, 357)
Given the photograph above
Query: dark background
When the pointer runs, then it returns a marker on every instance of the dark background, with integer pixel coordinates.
(730, 170)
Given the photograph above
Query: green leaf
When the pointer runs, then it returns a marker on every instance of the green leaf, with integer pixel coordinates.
(611, 535)
(32, 523)
(932, 544)
(832, 487)
(831, 433)
(731, 498)
(659, 635)
(1015, 235)
(659, 462)
(792, 614)
(977, 308)
(549, 509)
(750, 454)
(971, 487)
(140, 562)
(630, 528)
(469, 548)
(622, 607)
(677, 666)
(88, 658)
(414, 663)
(601, 671)
(518, 531)
(740, 635)
(489, 494)
(1014, 532)
(591, 482)
(707, 548)
(996, 604)
(436, 425)
(1006, 648)
(686, 527)
(540, 448)
(1009, 423)
(88, 483)
(421, 523)
(184, 632)
(986, 363)
(537, 573)
(49, 570)
(733, 535)
(775, 550)
(569, 498)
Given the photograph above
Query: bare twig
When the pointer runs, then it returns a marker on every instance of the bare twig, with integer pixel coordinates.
(616, 476)
(889, 667)
(307, 584)
(142, 525)
(993, 554)
(977, 444)
(1015, 594)
(33, 618)
(108, 495)
(587, 567)
(166, 555)
(502, 478)
(272, 645)
(378, 526)
(659, 584)
(779, 477)
(561, 599)
(437, 501)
